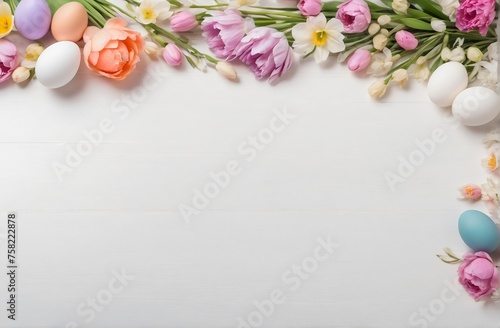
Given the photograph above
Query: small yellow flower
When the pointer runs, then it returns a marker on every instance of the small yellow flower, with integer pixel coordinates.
(422, 72)
(6, 19)
(33, 51)
(150, 11)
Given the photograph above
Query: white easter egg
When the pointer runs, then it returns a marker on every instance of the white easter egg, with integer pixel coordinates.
(476, 106)
(58, 64)
(447, 81)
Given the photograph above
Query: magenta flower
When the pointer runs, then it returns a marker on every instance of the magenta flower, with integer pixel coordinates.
(475, 15)
(266, 52)
(9, 58)
(354, 15)
(172, 55)
(359, 60)
(309, 7)
(478, 275)
(406, 40)
(224, 31)
(183, 21)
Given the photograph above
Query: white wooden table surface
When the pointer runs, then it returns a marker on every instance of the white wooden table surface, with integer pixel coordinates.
(302, 230)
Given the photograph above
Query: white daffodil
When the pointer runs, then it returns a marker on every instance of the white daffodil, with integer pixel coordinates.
(492, 162)
(6, 19)
(456, 55)
(150, 11)
(381, 63)
(400, 6)
(492, 51)
(449, 8)
(33, 51)
(318, 36)
(490, 196)
(492, 138)
(487, 73)
(421, 69)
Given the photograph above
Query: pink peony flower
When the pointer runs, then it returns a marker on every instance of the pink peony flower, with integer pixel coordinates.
(309, 7)
(475, 15)
(172, 55)
(354, 15)
(9, 59)
(406, 40)
(183, 21)
(359, 60)
(266, 52)
(478, 275)
(224, 31)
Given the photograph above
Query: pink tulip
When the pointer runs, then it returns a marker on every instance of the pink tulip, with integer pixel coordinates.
(224, 31)
(172, 55)
(478, 275)
(359, 60)
(309, 7)
(266, 52)
(354, 15)
(9, 59)
(183, 21)
(406, 40)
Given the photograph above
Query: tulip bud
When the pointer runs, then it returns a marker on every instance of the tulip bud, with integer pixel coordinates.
(377, 89)
(359, 60)
(406, 40)
(183, 21)
(474, 54)
(379, 41)
(373, 28)
(438, 25)
(172, 55)
(400, 6)
(151, 48)
(20, 74)
(384, 20)
(226, 70)
(401, 76)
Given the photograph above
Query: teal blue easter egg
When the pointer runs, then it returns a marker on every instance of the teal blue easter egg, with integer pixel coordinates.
(478, 231)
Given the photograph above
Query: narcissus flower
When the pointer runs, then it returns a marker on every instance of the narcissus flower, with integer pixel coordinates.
(6, 19)
(470, 192)
(318, 36)
(151, 11)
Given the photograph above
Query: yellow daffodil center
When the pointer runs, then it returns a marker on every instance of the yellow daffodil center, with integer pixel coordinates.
(492, 162)
(319, 38)
(148, 13)
(468, 191)
(5, 23)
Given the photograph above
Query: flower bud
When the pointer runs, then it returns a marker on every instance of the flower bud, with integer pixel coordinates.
(400, 6)
(226, 70)
(309, 7)
(438, 25)
(474, 54)
(33, 51)
(20, 74)
(183, 21)
(373, 28)
(377, 89)
(379, 41)
(172, 55)
(359, 60)
(384, 20)
(385, 32)
(151, 48)
(406, 40)
(401, 76)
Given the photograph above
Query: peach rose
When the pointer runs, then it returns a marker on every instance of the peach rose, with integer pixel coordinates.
(112, 51)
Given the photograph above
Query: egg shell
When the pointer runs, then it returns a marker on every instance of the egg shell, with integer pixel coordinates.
(476, 106)
(69, 22)
(32, 18)
(478, 231)
(58, 64)
(447, 81)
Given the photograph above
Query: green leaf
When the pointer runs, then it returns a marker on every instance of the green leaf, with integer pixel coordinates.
(417, 13)
(388, 3)
(331, 6)
(416, 24)
(430, 7)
